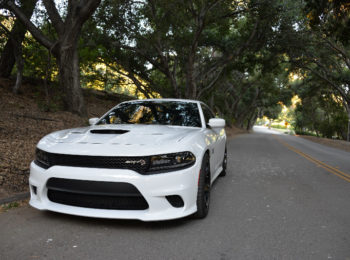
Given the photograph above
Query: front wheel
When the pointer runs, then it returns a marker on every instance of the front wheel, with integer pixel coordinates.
(224, 164)
(203, 195)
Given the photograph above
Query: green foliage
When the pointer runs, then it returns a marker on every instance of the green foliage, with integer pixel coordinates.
(3, 34)
(321, 113)
(278, 126)
(49, 106)
(9, 206)
(332, 17)
(272, 112)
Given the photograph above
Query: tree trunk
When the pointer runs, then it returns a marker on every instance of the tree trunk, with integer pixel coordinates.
(175, 86)
(65, 46)
(347, 108)
(252, 120)
(191, 91)
(211, 101)
(19, 62)
(69, 75)
(7, 60)
(348, 134)
(173, 81)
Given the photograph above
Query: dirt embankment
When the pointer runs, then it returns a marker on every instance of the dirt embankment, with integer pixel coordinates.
(339, 144)
(234, 131)
(23, 124)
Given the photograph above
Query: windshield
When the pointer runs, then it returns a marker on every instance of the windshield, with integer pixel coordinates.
(155, 112)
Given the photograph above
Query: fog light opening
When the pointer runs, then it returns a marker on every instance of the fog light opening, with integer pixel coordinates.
(175, 201)
(34, 189)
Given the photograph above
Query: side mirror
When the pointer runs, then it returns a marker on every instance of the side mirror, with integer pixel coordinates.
(93, 120)
(216, 123)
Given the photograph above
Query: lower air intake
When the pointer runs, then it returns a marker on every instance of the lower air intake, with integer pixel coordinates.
(95, 194)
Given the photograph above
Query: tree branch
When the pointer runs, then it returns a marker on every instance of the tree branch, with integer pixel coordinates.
(340, 51)
(5, 29)
(233, 13)
(340, 90)
(211, 84)
(86, 9)
(137, 83)
(37, 34)
(54, 16)
(250, 39)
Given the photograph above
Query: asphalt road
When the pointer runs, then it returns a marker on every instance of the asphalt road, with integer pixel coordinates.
(280, 200)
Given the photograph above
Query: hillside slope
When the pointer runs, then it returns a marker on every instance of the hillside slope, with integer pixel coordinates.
(23, 124)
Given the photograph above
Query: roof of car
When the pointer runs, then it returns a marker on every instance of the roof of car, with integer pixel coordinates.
(164, 99)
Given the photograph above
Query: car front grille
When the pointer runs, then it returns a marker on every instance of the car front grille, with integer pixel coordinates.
(95, 194)
(47, 160)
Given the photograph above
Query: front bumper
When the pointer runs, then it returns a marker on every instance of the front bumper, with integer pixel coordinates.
(154, 188)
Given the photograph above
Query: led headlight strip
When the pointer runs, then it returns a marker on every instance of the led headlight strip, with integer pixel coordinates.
(171, 161)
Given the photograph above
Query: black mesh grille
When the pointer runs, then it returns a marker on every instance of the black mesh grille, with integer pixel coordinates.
(138, 164)
(95, 194)
(142, 164)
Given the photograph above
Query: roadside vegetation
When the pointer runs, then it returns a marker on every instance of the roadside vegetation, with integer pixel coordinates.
(319, 116)
(12, 205)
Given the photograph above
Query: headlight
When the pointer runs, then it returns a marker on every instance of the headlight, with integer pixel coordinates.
(172, 161)
(41, 158)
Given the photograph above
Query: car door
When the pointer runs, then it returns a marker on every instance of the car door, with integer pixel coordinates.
(214, 140)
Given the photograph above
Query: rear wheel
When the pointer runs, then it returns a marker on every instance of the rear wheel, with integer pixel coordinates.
(203, 195)
(224, 164)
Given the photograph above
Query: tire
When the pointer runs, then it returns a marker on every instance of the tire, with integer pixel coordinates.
(224, 165)
(203, 194)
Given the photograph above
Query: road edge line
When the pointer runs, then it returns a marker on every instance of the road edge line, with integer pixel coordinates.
(325, 166)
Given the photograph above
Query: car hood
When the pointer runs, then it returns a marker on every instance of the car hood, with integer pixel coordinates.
(119, 140)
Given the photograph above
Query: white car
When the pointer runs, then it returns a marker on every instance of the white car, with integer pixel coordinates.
(149, 159)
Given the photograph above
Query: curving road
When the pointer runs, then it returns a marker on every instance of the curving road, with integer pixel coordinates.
(283, 198)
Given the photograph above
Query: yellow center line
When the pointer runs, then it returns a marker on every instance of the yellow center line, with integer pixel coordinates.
(325, 166)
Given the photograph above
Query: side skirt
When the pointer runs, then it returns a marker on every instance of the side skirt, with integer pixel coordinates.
(216, 174)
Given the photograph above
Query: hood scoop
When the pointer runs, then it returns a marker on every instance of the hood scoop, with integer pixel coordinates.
(109, 131)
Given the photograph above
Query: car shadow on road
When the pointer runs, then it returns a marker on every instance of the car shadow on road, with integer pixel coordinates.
(123, 223)
(117, 223)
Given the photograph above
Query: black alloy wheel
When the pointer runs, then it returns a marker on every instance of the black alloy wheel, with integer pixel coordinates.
(224, 165)
(203, 195)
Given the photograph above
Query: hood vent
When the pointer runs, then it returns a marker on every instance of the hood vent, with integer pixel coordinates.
(109, 131)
